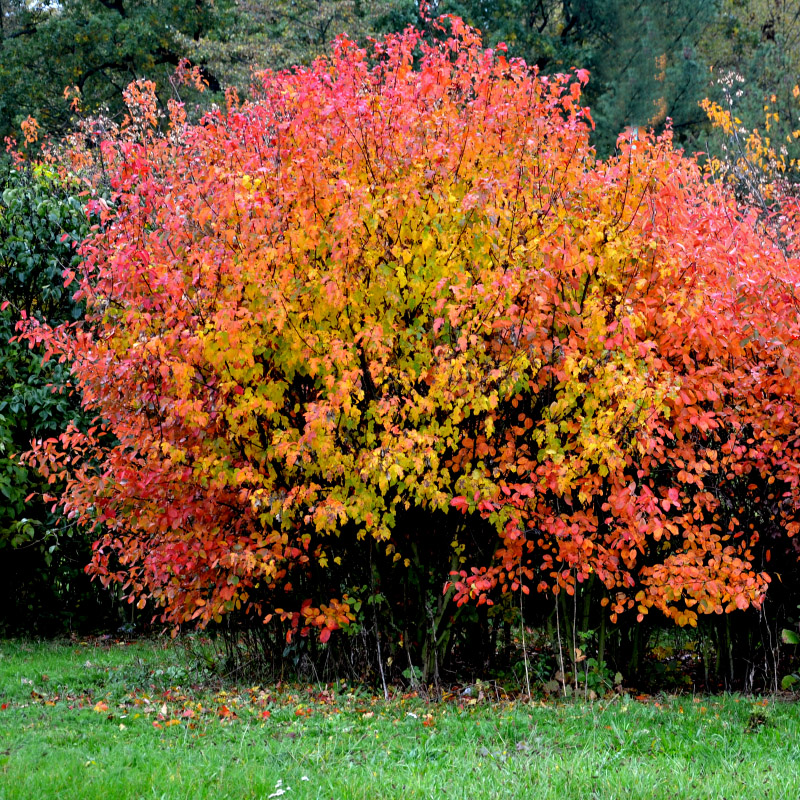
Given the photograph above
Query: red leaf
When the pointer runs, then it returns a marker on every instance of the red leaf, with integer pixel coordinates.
(460, 504)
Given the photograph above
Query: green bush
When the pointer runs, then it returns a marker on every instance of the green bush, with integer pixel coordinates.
(42, 220)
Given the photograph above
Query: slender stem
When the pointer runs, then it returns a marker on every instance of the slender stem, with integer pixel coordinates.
(380, 657)
(377, 631)
(560, 653)
(524, 648)
(575, 635)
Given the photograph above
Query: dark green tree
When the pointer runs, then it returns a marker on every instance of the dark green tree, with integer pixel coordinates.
(642, 54)
(278, 34)
(98, 46)
(44, 587)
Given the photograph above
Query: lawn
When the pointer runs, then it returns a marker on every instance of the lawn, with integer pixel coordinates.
(113, 720)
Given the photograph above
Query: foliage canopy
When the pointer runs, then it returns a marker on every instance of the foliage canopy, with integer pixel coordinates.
(396, 298)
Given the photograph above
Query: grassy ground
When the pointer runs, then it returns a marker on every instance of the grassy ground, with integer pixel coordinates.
(138, 720)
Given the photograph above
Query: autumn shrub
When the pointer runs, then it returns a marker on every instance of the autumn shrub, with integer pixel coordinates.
(387, 351)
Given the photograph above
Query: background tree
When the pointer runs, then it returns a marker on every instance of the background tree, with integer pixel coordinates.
(289, 32)
(649, 60)
(755, 53)
(41, 222)
(643, 56)
(98, 46)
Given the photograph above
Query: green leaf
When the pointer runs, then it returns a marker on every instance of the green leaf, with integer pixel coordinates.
(790, 637)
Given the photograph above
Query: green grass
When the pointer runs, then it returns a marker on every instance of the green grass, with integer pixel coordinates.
(136, 721)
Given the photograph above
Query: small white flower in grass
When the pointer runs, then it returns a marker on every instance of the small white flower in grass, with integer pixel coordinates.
(305, 778)
(280, 789)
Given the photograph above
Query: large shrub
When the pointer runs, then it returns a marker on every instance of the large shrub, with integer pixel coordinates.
(391, 329)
